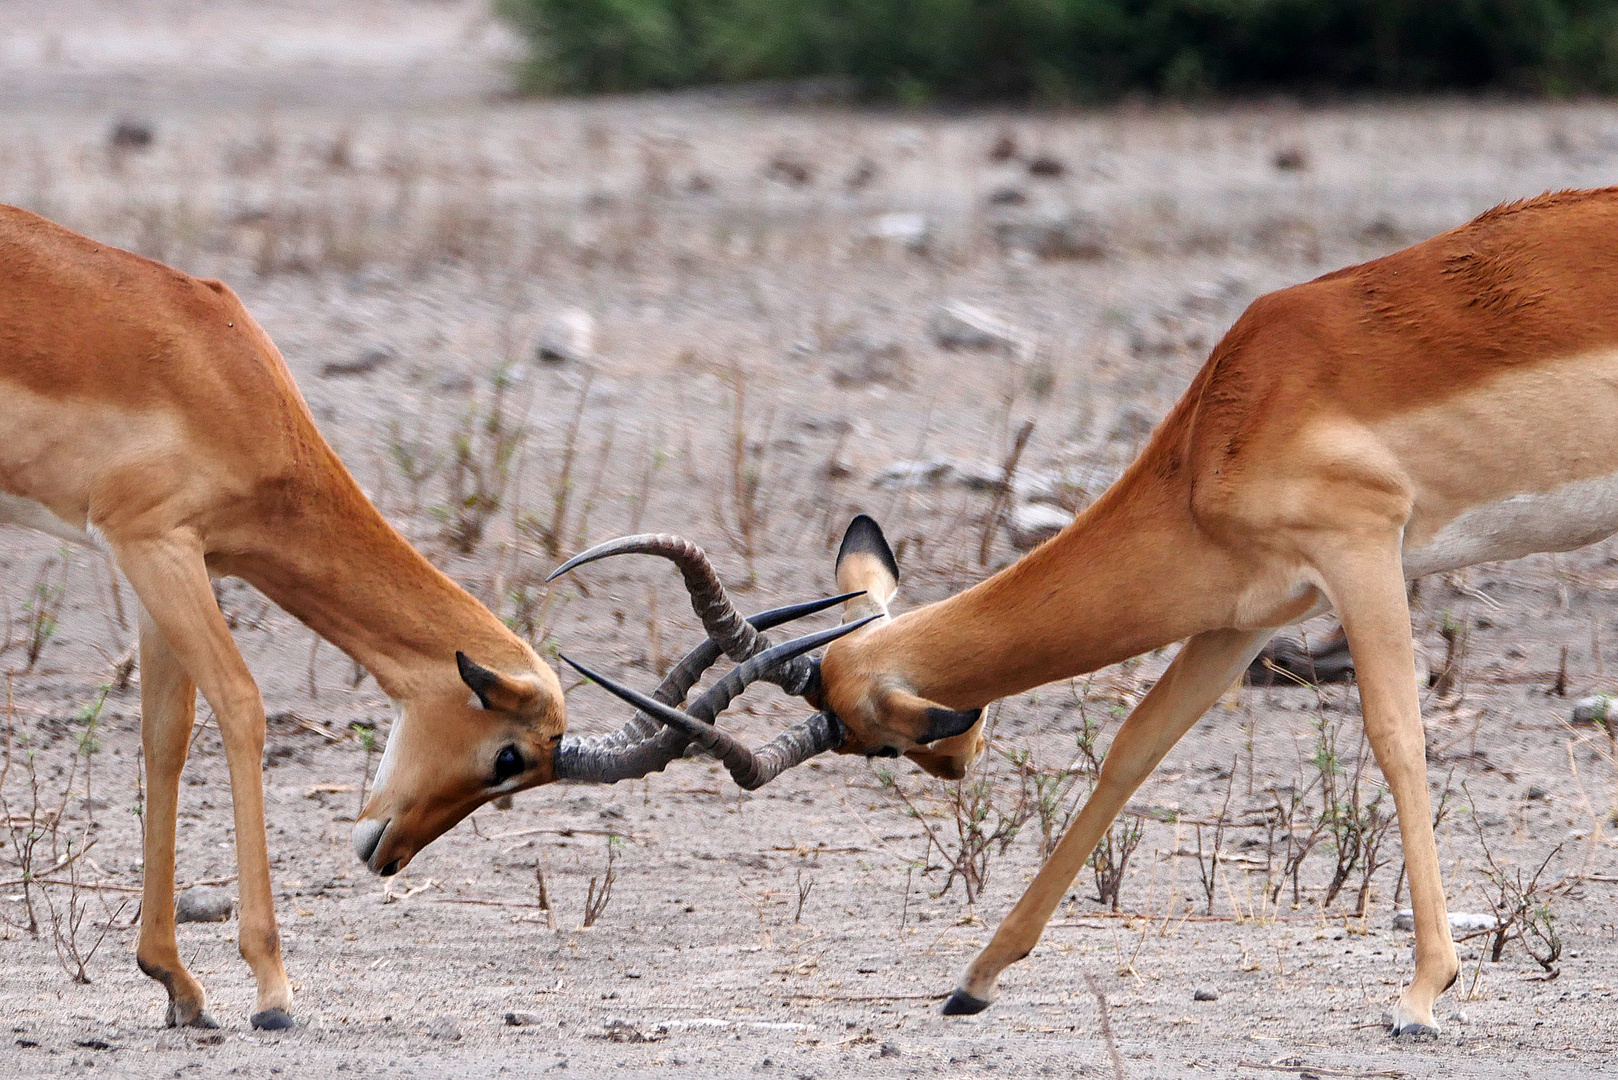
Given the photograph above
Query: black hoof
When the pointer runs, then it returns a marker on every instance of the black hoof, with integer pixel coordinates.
(960, 1003)
(272, 1020)
(201, 1020)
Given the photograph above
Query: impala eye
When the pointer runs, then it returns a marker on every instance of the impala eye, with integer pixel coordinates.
(507, 763)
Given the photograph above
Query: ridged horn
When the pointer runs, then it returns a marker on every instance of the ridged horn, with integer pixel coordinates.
(784, 664)
(725, 625)
(644, 745)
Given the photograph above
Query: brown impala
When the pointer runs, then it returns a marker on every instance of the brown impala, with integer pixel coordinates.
(1443, 406)
(143, 410)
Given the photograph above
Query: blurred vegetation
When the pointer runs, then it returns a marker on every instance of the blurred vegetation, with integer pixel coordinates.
(914, 51)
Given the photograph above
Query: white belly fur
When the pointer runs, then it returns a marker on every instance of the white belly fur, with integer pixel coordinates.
(15, 510)
(1562, 519)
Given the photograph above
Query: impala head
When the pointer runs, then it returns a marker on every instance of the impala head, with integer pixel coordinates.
(867, 689)
(866, 705)
(480, 734)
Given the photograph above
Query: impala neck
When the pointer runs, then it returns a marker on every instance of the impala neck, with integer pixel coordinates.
(341, 569)
(1131, 574)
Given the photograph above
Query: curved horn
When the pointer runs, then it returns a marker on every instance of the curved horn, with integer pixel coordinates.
(751, 769)
(644, 745)
(709, 600)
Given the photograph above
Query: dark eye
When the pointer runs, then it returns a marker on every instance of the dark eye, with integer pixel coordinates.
(507, 763)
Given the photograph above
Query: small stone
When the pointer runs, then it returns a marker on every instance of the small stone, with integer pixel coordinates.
(445, 1028)
(1048, 231)
(1031, 525)
(1460, 921)
(523, 1019)
(912, 231)
(1291, 159)
(366, 362)
(1205, 993)
(1458, 1018)
(1592, 709)
(203, 903)
(131, 134)
(566, 337)
(888, 1050)
(915, 474)
(1536, 792)
(962, 326)
(1047, 167)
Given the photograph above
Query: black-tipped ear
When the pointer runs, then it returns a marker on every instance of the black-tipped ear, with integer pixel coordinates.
(502, 693)
(945, 723)
(479, 678)
(864, 537)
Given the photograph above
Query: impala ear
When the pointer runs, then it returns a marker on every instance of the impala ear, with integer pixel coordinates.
(928, 721)
(865, 561)
(945, 723)
(494, 690)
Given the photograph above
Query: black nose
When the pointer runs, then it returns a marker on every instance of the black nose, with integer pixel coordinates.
(390, 869)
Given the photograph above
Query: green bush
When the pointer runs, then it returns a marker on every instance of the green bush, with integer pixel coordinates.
(1073, 50)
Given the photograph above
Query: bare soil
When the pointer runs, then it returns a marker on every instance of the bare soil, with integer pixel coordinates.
(762, 356)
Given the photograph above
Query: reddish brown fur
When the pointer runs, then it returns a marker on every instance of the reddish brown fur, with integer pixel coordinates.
(148, 404)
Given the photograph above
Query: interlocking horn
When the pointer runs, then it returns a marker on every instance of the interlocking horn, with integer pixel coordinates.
(784, 664)
(645, 745)
(725, 625)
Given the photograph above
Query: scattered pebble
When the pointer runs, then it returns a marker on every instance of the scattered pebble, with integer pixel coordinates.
(446, 1028)
(962, 326)
(523, 1019)
(1592, 709)
(911, 230)
(1291, 159)
(1458, 1018)
(1205, 993)
(366, 362)
(566, 337)
(131, 134)
(1004, 148)
(203, 903)
(789, 169)
(1031, 525)
(888, 1050)
(1047, 167)
(1048, 231)
(1536, 792)
(1464, 921)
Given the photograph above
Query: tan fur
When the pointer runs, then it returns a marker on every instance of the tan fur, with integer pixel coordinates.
(1334, 435)
(148, 405)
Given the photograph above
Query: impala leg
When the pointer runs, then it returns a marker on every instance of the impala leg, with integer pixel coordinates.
(1203, 670)
(1368, 590)
(172, 581)
(167, 711)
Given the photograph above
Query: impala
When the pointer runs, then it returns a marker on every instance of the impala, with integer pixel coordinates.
(1443, 406)
(143, 411)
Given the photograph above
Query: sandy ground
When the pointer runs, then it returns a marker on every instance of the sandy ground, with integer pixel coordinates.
(363, 185)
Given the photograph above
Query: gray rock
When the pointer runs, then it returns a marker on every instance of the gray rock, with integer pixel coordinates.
(916, 474)
(1536, 792)
(523, 1019)
(366, 362)
(203, 903)
(1205, 993)
(445, 1028)
(912, 231)
(888, 1050)
(1458, 1018)
(1031, 525)
(569, 336)
(962, 326)
(1593, 709)
(1462, 921)
(1048, 231)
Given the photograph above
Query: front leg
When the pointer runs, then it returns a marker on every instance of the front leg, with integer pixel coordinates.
(1366, 585)
(172, 580)
(167, 712)
(1204, 669)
